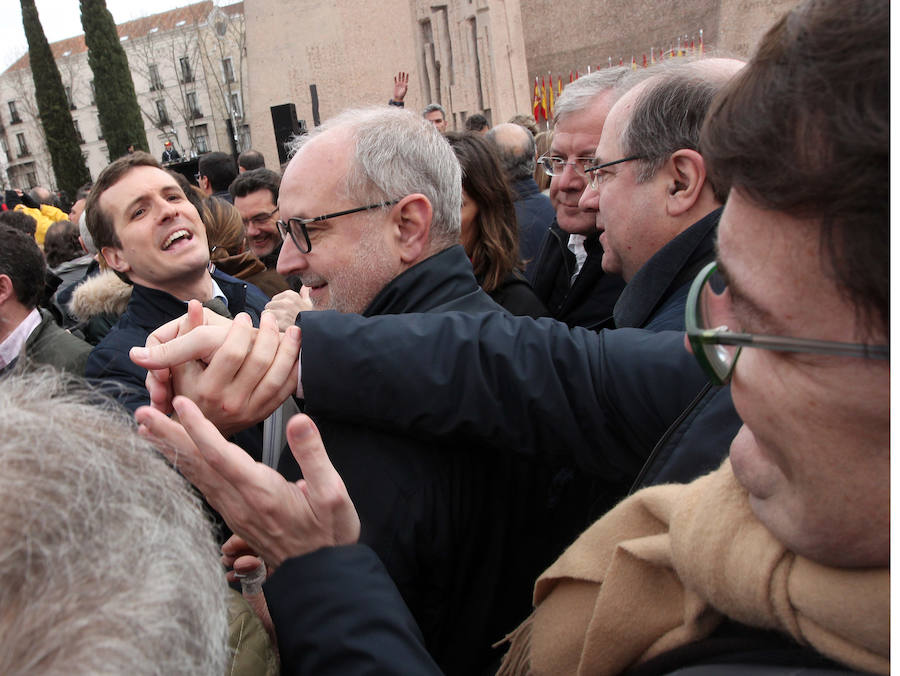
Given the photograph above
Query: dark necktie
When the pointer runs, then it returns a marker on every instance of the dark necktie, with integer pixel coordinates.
(218, 306)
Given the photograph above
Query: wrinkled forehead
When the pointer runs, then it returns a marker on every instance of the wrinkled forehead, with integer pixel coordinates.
(135, 182)
(317, 172)
(616, 121)
(577, 133)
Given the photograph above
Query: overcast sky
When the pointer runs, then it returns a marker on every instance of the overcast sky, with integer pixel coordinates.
(62, 19)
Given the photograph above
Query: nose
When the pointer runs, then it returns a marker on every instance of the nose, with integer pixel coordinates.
(166, 208)
(570, 180)
(290, 260)
(589, 200)
(251, 229)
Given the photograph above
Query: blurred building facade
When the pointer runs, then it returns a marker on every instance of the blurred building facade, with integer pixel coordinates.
(189, 71)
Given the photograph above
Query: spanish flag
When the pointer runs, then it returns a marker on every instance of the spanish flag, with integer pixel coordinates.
(550, 97)
(536, 102)
(544, 99)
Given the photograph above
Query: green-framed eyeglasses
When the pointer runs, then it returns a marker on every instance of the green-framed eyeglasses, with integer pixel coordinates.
(707, 319)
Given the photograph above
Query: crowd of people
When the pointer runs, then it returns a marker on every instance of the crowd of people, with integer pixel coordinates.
(608, 399)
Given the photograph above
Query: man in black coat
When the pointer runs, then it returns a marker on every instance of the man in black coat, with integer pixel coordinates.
(461, 530)
(566, 274)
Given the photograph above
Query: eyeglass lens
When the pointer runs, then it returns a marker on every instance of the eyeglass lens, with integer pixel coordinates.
(714, 312)
(554, 166)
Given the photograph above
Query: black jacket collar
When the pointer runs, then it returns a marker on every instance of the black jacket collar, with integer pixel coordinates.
(668, 270)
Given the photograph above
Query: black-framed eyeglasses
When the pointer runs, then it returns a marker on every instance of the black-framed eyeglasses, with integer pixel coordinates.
(708, 315)
(259, 220)
(296, 227)
(596, 176)
(555, 166)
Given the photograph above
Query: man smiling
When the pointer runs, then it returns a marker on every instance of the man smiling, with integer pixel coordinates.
(255, 195)
(152, 236)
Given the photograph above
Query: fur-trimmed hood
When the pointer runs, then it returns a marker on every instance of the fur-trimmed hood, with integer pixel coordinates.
(102, 293)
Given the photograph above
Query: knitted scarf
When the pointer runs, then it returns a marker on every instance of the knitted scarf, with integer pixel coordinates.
(666, 565)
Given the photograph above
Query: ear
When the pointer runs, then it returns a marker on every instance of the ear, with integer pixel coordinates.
(114, 259)
(6, 289)
(412, 221)
(686, 180)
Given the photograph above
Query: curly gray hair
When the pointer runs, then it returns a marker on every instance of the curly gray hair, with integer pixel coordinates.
(109, 565)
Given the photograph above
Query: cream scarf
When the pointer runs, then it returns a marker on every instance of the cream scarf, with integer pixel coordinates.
(666, 565)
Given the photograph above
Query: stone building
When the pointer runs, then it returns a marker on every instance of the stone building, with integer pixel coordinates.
(190, 74)
(471, 56)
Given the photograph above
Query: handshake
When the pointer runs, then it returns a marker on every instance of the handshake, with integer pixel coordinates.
(219, 376)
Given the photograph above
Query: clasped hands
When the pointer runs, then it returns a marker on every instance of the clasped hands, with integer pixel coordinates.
(219, 376)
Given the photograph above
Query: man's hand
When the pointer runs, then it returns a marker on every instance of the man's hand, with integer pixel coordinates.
(287, 305)
(276, 519)
(236, 374)
(159, 381)
(401, 85)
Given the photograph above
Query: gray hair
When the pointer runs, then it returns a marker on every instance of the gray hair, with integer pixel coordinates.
(109, 566)
(515, 148)
(397, 153)
(668, 115)
(579, 94)
(86, 234)
(431, 107)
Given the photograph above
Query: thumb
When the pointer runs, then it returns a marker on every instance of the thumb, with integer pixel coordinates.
(322, 485)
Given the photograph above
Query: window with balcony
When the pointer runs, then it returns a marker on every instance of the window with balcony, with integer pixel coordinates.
(93, 94)
(162, 113)
(99, 130)
(186, 74)
(4, 146)
(78, 132)
(69, 98)
(236, 108)
(155, 81)
(193, 107)
(23, 145)
(201, 138)
(228, 69)
(13, 113)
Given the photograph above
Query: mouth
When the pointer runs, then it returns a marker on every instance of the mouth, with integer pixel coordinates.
(176, 238)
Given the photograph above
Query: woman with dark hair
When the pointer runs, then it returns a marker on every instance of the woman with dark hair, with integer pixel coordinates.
(227, 250)
(61, 245)
(489, 230)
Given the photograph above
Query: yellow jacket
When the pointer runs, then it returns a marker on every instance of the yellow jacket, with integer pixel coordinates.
(45, 217)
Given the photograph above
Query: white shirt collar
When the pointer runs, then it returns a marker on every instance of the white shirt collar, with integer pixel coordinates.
(15, 341)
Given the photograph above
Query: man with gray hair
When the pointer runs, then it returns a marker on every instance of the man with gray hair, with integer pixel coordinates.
(435, 113)
(534, 211)
(656, 211)
(109, 564)
(567, 274)
(370, 214)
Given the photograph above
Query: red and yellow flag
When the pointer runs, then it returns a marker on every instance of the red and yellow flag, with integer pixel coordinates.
(544, 98)
(550, 99)
(536, 102)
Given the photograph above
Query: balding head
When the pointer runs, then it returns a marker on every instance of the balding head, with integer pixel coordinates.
(665, 112)
(655, 185)
(516, 149)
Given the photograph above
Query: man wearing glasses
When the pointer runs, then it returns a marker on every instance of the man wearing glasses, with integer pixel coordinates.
(255, 195)
(655, 208)
(370, 209)
(566, 274)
